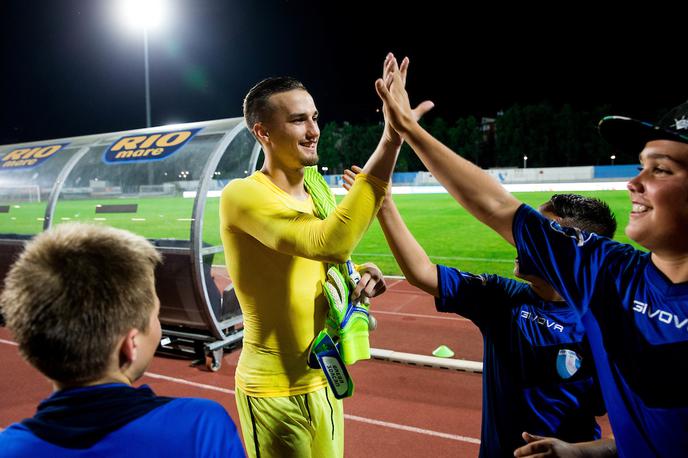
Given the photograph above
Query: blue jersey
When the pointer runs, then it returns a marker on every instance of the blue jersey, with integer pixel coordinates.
(179, 427)
(637, 323)
(538, 374)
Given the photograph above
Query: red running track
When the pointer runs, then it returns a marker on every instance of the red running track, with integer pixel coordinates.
(396, 411)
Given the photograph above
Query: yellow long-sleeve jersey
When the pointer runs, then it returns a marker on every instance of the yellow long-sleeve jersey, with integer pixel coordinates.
(276, 250)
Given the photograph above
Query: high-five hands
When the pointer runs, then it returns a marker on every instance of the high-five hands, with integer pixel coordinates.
(391, 90)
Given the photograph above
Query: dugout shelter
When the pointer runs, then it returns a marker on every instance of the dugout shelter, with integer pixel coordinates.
(162, 183)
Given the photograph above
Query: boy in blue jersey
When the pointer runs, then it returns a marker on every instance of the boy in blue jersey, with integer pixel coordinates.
(538, 373)
(81, 303)
(633, 304)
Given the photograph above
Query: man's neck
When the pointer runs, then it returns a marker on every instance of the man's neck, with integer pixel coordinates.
(675, 267)
(288, 180)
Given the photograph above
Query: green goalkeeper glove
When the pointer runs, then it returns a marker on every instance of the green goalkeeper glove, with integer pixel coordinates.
(349, 319)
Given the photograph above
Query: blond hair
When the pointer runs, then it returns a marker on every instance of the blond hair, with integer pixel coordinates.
(73, 292)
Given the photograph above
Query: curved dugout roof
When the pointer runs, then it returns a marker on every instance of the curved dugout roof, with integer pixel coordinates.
(161, 182)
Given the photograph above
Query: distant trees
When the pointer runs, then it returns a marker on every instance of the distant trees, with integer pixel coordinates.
(550, 136)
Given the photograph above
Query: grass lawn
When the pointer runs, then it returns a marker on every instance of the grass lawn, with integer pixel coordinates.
(447, 232)
(453, 237)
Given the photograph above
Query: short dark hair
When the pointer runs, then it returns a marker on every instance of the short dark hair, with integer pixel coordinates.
(585, 213)
(74, 291)
(256, 102)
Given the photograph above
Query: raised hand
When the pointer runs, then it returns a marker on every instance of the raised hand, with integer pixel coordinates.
(396, 106)
(389, 70)
(350, 176)
(391, 90)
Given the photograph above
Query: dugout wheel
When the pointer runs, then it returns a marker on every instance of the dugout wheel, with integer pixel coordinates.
(213, 359)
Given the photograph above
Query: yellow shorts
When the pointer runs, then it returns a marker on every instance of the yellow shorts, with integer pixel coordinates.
(304, 425)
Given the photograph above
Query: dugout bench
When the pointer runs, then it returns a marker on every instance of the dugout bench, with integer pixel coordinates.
(162, 183)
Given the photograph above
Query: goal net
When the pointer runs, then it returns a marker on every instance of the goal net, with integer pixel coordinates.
(23, 193)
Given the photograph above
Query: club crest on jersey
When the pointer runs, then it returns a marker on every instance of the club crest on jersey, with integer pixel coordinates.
(568, 363)
(576, 234)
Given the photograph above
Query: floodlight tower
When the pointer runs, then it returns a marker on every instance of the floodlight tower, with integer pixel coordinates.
(143, 15)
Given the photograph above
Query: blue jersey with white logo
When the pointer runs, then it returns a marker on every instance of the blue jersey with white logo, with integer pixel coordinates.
(637, 323)
(538, 374)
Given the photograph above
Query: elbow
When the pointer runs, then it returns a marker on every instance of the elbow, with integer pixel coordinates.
(424, 279)
(333, 253)
(335, 247)
(413, 279)
(413, 276)
(339, 257)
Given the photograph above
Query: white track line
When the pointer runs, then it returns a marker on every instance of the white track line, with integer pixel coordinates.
(181, 381)
(369, 421)
(413, 429)
(413, 359)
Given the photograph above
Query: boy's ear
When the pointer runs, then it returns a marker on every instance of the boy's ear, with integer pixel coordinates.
(128, 348)
(260, 131)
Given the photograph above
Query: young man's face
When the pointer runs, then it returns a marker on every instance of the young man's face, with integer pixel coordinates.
(292, 129)
(659, 198)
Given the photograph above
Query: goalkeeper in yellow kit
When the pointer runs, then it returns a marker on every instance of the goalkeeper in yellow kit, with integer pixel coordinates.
(280, 236)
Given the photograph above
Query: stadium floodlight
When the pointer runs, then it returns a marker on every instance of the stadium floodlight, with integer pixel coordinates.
(143, 15)
(525, 161)
(324, 168)
(612, 157)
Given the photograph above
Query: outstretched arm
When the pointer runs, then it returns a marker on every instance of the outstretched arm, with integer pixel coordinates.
(474, 189)
(414, 262)
(249, 207)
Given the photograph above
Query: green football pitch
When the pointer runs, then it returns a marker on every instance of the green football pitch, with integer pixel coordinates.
(447, 232)
(451, 236)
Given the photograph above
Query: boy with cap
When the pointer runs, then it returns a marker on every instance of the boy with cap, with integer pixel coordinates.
(634, 304)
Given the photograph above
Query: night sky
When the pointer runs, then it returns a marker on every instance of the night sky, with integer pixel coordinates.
(70, 68)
